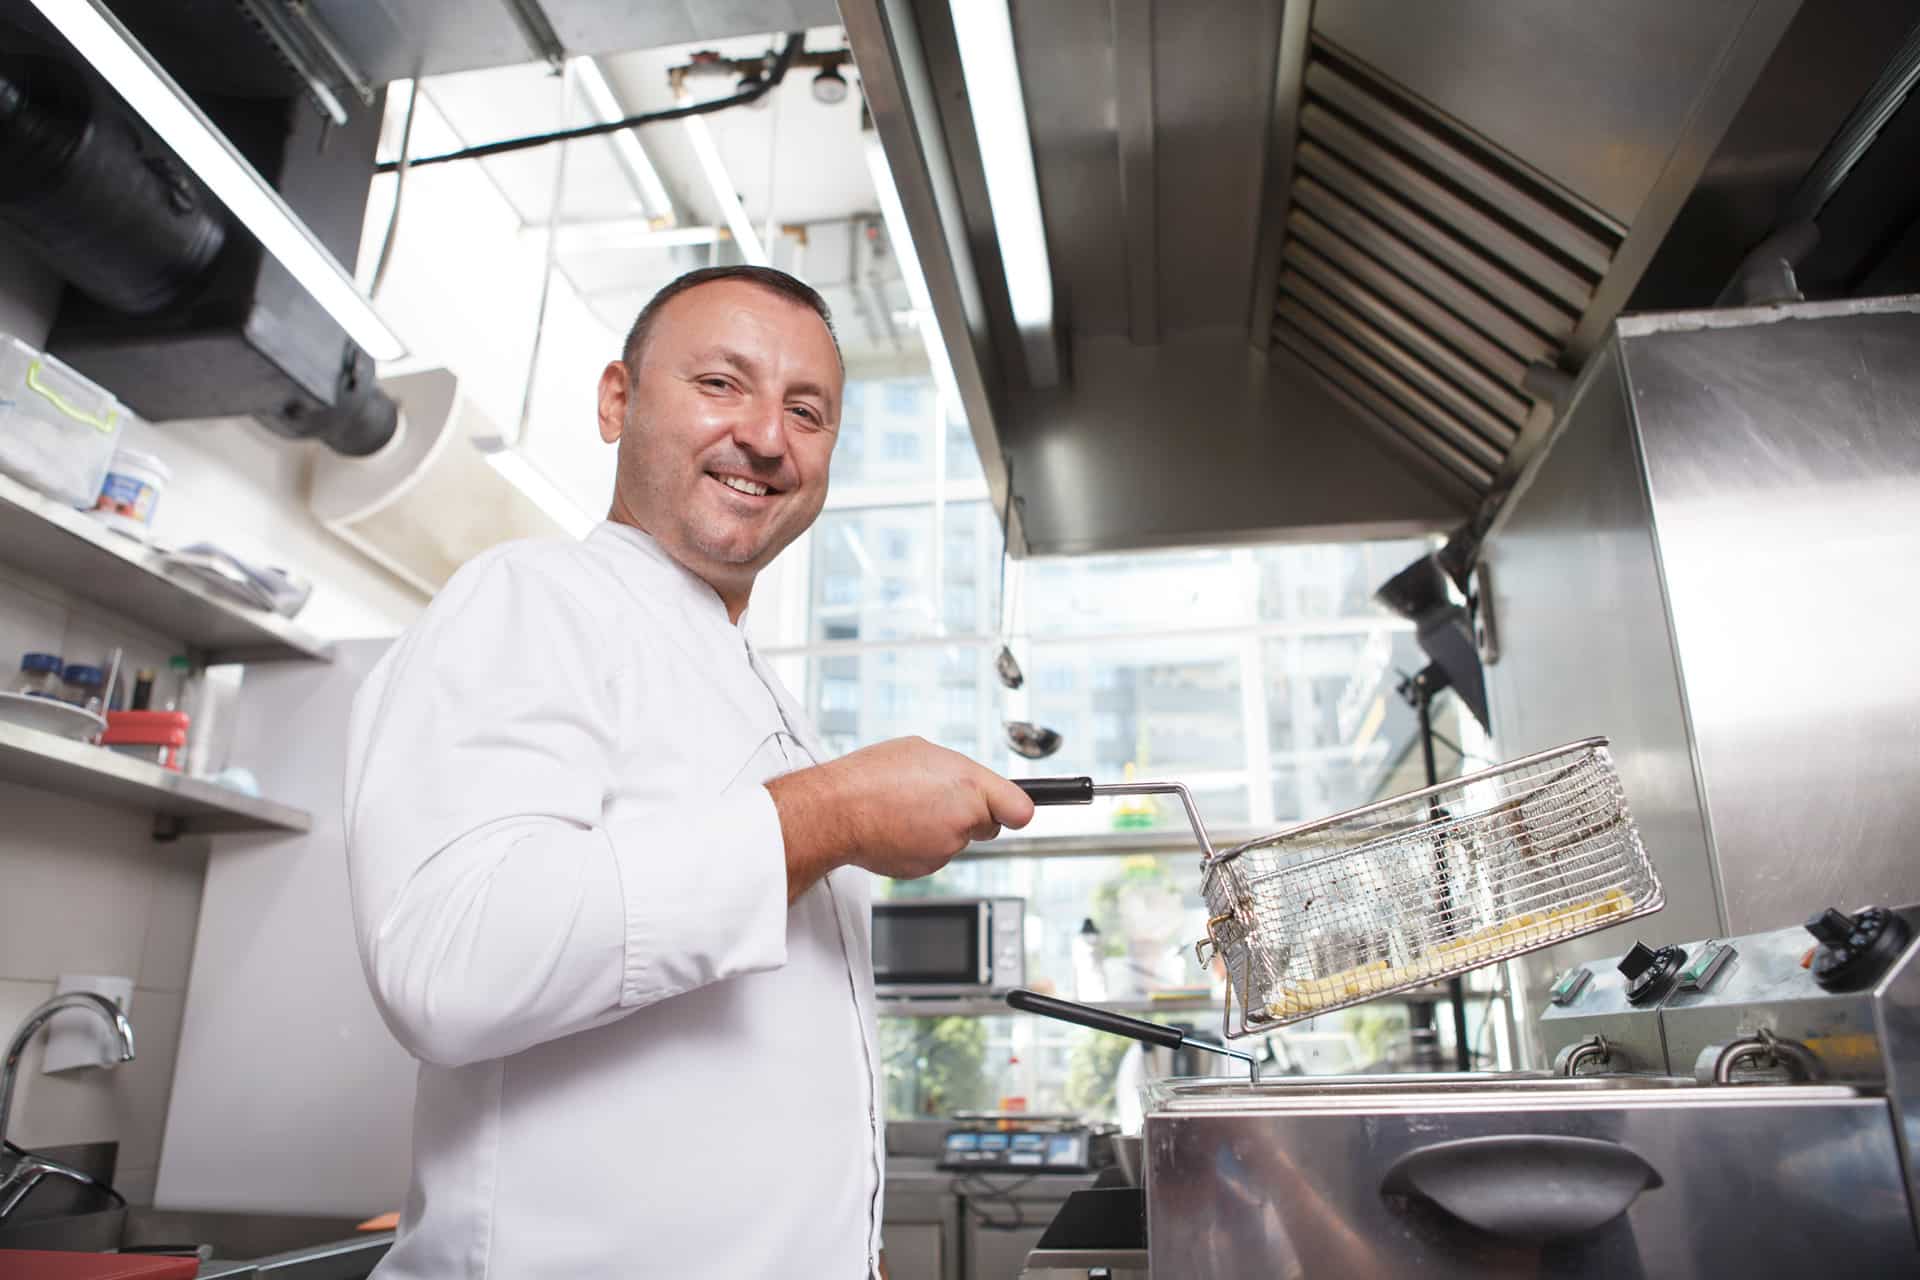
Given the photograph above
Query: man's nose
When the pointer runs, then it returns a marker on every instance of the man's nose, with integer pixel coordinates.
(762, 430)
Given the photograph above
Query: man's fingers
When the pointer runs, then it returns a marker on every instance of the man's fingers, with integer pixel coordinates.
(1010, 806)
(985, 830)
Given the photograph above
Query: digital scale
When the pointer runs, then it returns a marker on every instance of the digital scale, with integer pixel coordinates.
(1035, 1145)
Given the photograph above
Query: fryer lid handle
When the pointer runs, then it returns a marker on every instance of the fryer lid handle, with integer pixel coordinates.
(1057, 790)
(1526, 1187)
(1098, 1019)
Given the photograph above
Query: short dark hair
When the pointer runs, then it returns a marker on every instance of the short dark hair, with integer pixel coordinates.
(789, 287)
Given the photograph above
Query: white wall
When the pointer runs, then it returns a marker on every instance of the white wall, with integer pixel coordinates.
(85, 889)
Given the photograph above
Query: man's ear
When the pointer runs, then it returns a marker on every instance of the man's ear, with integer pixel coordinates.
(614, 391)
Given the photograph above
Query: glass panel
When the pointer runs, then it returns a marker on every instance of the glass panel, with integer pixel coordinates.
(1329, 581)
(872, 574)
(886, 433)
(938, 693)
(1167, 709)
(963, 458)
(970, 571)
(1336, 724)
(1184, 590)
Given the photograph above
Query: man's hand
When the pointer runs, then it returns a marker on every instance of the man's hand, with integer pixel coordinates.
(901, 809)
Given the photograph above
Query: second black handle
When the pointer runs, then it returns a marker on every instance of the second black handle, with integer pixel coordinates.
(1057, 790)
(1086, 1015)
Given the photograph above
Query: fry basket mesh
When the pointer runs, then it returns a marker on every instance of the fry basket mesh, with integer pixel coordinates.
(1407, 891)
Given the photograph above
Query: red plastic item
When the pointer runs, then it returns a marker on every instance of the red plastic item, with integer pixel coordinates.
(164, 731)
(146, 729)
(44, 1264)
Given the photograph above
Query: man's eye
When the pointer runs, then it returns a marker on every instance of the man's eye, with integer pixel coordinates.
(806, 413)
(717, 384)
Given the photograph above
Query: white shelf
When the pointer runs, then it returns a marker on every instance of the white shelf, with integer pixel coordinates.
(180, 804)
(46, 540)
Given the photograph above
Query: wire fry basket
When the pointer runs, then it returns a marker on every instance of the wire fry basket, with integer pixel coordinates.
(1401, 893)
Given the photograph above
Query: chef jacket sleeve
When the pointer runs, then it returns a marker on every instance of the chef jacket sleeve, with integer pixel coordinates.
(495, 907)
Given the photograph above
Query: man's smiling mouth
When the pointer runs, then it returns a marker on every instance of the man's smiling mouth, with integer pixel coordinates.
(740, 484)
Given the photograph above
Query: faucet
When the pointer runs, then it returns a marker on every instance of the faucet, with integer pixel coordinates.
(25, 1173)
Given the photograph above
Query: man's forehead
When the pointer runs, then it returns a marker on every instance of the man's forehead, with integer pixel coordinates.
(704, 318)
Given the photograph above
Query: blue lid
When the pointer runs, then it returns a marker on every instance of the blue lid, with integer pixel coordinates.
(37, 662)
(84, 675)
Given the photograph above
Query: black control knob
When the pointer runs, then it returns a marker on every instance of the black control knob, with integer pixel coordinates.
(1831, 927)
(1855, 950)
(1649, 972)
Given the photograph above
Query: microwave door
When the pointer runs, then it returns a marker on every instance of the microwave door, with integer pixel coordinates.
(932, 948)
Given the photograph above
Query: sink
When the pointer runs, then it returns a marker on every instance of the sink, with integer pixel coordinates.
(267, 1246)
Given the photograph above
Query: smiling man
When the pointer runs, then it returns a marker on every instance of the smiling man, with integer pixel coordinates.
(607, 886)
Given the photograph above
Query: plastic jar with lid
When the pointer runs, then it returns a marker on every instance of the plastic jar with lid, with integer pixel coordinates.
(40, 676)
(83, 685)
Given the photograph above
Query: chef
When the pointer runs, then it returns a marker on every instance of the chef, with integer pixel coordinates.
(608, 887)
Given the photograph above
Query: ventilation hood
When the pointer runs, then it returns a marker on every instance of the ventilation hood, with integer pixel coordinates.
(1320, 268)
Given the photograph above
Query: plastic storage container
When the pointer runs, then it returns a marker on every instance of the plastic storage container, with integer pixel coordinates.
(158, 737)
(40, 676)
(57, 429)
(130, 494)
(82, 686)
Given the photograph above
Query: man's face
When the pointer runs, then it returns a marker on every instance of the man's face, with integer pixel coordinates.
(726, 430)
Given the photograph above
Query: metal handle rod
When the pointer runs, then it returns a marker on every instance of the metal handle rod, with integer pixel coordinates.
(1164, 789)
(1083, 790)
(1119, 1024)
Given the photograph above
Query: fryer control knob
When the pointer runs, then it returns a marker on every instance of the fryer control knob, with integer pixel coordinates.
(1855, 950)
(1831, 927)
(1649, 972)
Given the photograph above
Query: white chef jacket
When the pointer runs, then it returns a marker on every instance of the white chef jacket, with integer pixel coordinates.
(570, 893)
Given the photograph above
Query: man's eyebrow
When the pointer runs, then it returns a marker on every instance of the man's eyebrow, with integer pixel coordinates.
(745, 364)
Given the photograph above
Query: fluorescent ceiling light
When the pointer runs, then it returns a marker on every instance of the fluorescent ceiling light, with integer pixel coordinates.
(534, 485)
(151, 92)
(984, 32)
(626, 143)
(730, 207)
(904, 253)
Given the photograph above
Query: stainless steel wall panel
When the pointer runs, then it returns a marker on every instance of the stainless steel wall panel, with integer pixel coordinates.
(1713, 564)
(1783, 459)
(1585, 648)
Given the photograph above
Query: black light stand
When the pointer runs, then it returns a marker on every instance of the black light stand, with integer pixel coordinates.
(1419, 690)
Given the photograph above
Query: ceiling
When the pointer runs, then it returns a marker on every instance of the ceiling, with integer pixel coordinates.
(796, 162)
(1320, 267)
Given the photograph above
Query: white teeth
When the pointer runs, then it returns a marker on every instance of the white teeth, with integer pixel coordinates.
(744, 486)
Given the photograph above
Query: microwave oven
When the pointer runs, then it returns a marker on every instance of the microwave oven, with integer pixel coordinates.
(931, 947)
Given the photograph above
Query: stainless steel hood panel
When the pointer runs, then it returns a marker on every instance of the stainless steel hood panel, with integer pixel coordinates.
(1592, 95)
(1197, 441)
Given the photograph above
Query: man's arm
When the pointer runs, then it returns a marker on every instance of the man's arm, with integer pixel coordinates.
(496, 906)
(901, 809)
